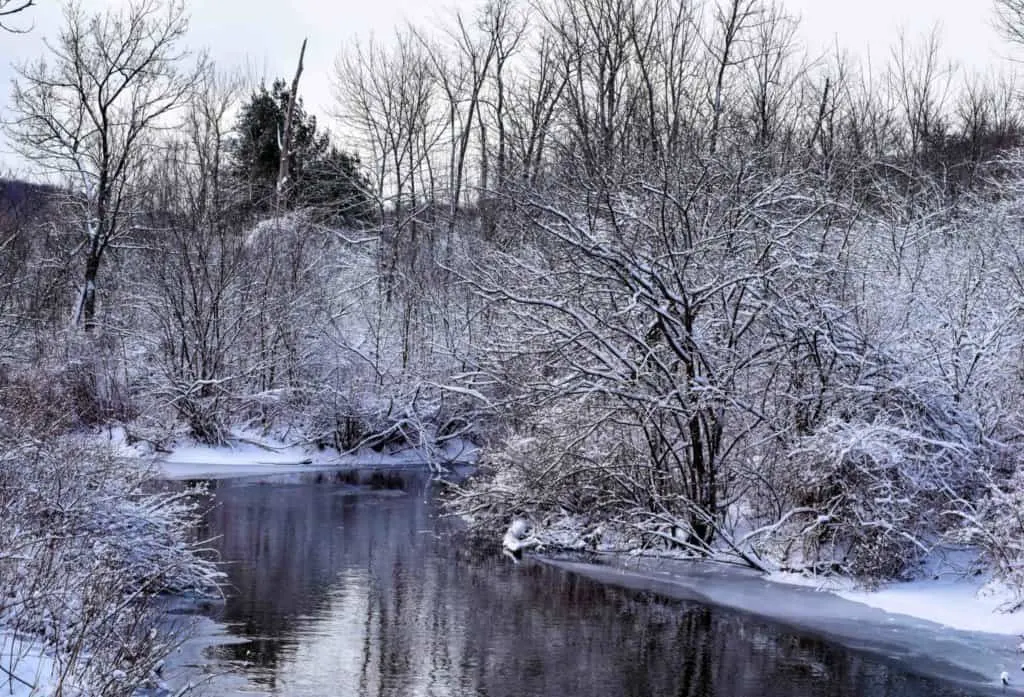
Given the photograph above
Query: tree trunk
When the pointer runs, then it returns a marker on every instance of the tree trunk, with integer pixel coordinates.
(284, 184)
(87, 305)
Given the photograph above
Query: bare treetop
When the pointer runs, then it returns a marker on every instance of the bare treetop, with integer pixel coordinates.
(1010, 20)
(89, 111)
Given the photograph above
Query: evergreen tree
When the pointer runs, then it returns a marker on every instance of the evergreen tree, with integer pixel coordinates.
(335, 187)
(323, 177)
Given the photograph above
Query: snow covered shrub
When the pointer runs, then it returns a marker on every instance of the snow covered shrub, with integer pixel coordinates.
(85, 542)
(868, 484)
(578, 468)
(512, 480)
(872, 428)
(402, 415)
(994, 525)
(343, 419)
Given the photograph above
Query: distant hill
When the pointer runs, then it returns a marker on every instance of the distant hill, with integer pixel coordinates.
(22, 199)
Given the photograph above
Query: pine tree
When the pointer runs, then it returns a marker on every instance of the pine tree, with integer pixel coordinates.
(323, 177)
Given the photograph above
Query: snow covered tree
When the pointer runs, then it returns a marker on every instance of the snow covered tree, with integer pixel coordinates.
(233, 304)
(193, 276)
(88, 115)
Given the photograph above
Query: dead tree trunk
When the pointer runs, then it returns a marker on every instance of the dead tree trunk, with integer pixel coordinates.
(284, 183)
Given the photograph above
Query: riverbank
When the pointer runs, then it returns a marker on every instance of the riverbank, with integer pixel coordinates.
(955, 599)
(949, 590)
(252, 454)
(329, 577)
(883, 622)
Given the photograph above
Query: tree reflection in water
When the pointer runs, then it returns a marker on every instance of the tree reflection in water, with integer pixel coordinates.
(355, 590)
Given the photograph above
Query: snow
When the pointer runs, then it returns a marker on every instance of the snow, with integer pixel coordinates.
(519, 538)
(959, 604)
(949, 593)
(25, 668)
(250, 454)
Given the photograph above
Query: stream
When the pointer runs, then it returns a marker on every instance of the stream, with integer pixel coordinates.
(351, 585)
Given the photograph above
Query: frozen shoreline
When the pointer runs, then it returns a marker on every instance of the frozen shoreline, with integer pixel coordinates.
(881, 623)
(250, 455)
(963, 603)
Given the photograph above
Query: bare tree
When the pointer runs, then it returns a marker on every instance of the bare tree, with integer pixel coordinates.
(920, 82)
(388, 97)
(505, 26)
(87, 114)
(733, 19)
(201, 262)
(770, 90)
(462, 83)
(283, 177)
(596, 52)
(529, 103)
(1010, 20)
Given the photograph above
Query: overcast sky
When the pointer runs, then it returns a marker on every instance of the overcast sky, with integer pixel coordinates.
(264, 36)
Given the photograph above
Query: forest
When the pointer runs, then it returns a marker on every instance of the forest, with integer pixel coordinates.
(690, 287)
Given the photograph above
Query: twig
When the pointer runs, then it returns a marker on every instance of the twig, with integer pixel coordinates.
(15, 677)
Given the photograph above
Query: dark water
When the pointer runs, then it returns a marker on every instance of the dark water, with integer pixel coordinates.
(342, 590)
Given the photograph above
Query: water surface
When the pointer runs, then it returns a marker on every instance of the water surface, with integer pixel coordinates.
(339, 589)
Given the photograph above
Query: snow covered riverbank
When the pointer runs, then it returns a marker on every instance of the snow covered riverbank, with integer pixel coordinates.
(86, 545)
(967, 603)
(251, 455)
(936, 628)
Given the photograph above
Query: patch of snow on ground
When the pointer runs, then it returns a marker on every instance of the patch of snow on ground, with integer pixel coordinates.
(25, 669)
(948, 593)
(249, 454)
(957, 603)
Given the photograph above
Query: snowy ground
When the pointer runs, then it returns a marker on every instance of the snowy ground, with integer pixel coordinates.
(250, 454)
(966, 603)
(25, 668)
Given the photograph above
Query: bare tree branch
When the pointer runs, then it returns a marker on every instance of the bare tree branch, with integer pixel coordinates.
(283, 177)
(9, 8)
(1010, 20)
(88, 114)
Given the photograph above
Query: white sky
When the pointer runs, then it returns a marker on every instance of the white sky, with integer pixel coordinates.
(264, 36)
(966, 26)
